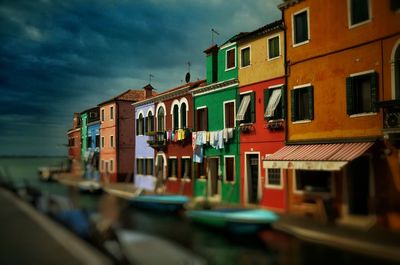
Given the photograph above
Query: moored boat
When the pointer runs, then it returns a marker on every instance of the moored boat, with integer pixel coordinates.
(236, 220)
(90, 186)
(164, 203)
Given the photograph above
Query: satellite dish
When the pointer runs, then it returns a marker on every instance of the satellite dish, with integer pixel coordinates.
(187, 77)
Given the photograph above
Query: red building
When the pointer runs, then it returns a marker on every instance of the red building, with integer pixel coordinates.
(172, 139)
(74, 143)
(261, 114)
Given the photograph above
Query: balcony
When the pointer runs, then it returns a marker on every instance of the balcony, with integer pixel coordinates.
(391, 120)
(157, 140)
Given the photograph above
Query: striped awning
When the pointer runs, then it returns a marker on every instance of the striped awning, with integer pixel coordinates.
(316, 156)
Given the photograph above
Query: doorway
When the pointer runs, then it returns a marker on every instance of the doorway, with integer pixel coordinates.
(358, 186)
(252, 161)
(213, 176)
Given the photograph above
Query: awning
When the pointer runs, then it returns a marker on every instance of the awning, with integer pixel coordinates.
(272, 103)
(316, 156)
(243, 107)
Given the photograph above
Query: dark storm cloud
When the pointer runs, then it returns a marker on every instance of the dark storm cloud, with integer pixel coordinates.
(58, 57)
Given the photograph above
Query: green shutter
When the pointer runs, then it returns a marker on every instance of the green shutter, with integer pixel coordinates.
(283, 101)
(267, 94)
(145, 126)
(349, 95)
(293, 104)
(137, 126)
(310, 102)
(253, 107)
(374, 90)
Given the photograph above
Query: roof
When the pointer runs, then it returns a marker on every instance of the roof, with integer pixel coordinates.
(132, 95)
(211, 49)
(287, 3)
(278, 24)
(170, 93)
(89, 110)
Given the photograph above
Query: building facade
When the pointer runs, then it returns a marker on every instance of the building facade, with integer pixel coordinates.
(262, 120)
(340, 64)
(93, 144)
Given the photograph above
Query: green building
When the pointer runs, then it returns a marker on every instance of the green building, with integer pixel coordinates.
(217, 177)
(84, 122)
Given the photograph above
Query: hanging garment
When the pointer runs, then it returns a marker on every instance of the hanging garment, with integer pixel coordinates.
(198, 154)
(213, 139)
(208, 137)
(204, 137)
(172, 135)
(230, 133)
(220, 139)
(226, 135)
(181, 135)
(194, 140)
(199, 138)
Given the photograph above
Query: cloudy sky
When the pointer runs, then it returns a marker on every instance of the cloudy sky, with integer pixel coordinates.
(58, 57)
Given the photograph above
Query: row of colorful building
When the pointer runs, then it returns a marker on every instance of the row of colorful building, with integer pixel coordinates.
(300, 111)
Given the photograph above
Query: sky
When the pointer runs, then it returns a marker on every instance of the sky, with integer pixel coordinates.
(58, 57)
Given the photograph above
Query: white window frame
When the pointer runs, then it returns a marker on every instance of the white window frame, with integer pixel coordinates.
(234, 110)
(112, 141)
(298, 87)
(234, 169)
(275, 87)
(363, 114)
(307, 9)
(244, 94)
(175, 103)
(226, 59)
(102, 142)
(360, 23)
(241, 58)
(112, 112)
(160, 105)
(392, 67)
(273, 186)
(111, 165)
(279, 46)
(102, 115)
(140, 113)
(176, 165)
(189, 179)
(181, 102)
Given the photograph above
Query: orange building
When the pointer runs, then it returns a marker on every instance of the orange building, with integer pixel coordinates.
(117, 141)
(342, 60)
(74, 144)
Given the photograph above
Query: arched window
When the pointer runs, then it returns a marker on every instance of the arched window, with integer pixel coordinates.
(183, 115)
(140, 125)
(396, 73)
(150, 121)
(176, 117)
(160, 119)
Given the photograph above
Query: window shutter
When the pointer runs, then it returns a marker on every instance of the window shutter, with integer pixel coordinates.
(283, 100)
(253, 107)
(267, 94)
(293, 104)
(137, 126)
(374, 90)
(310, 102)
(145, 127)
(205, 120)
(349, 95)
(227, 114)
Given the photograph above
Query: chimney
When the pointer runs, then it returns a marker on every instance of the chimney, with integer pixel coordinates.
(148, 91)
(77, 120)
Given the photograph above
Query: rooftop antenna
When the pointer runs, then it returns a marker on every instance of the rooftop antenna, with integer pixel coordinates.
(150, 76)
(213, 31)
(187, 77)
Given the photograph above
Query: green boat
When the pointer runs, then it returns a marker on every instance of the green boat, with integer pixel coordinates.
(236, 220)
(163, 203)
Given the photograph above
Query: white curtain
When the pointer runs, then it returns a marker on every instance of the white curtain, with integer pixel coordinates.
(243, 107)
(273, 103)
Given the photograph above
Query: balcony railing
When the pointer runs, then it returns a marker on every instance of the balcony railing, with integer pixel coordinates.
(157, 139)
(391, 115)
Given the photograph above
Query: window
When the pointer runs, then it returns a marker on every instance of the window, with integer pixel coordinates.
(313, 180)
(102, 142)
(396, 72)
(140, 125)
(149, 166)
(274, 177)
(199, 170)
(246, 112)
(229, 169)
(273, 48)
(150, 122)
(245, 56)
(300, 27)
(89, 142)
(230, 59)
(175, 117)
(229, 108)
(362, 92)
(202, 119)
(186, 167)
(140, 166)
(111, 113)
(395, 5)
(172, 168)
(111, 166)
(97, 141)
(111, 141)
(102, 115)
(183, 115)
(302, 101)
(359, 11)
(71, 142)
(273, 104)
(160, 119)
(102, 165)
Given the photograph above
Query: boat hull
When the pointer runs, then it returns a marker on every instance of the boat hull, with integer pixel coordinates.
(160, 203)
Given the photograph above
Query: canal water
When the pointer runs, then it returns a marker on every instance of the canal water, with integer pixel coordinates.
(268, 247)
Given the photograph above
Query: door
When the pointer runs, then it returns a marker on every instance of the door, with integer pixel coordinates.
(252, 177)
(213, 177)
(358, 179)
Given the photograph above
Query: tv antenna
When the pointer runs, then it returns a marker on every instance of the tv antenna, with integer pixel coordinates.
(150, 76)
(187, 77)
(213, 31)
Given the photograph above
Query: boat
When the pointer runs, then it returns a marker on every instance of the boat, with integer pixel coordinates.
(90, 186)
(158, 202)
(236, 220)
(144, 249)
(47, 173)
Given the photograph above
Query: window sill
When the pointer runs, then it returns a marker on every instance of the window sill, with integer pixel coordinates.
(301, 121)
(228, 69)
(202, 179)
(274, 58)
(244, 67)
(300, 43)
(365, 114)
(360, 24)
(172, 179)
(186, 180)
(229, 182)
(273, 187)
